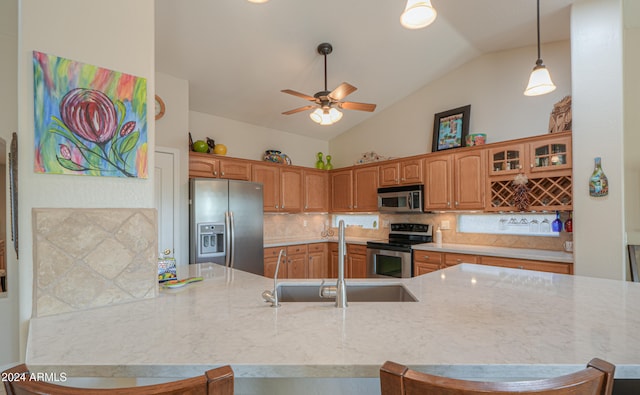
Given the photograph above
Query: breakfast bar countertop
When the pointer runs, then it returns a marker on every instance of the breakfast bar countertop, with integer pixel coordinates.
(470, 321)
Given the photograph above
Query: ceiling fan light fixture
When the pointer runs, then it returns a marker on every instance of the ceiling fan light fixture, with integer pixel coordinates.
(325, 116)
(418, 14)
(316, 115)
(540, 80)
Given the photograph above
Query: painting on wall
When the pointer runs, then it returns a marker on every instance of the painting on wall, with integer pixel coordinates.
(88, 120)
(450, 128)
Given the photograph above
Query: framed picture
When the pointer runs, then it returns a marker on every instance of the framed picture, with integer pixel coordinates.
(450, 128)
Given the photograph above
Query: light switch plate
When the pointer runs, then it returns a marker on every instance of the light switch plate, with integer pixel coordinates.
(444, 225)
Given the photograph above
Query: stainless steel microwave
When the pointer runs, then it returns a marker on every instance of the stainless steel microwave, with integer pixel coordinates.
(403, 199)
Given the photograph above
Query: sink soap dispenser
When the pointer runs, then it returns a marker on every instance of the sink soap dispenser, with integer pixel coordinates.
(438, 238)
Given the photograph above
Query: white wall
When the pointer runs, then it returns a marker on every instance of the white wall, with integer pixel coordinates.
(172, 131)
(9, 350)
(596, 48)
(121, 38)
(248, 141)
(632, 119)
(493, 84)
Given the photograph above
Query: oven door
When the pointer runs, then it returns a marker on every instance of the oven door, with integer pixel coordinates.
(388, 263)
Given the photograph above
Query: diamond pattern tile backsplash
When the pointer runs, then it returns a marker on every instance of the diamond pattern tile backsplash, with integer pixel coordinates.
(87, 258)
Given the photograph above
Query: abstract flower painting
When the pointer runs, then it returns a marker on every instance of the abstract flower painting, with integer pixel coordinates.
(88, 120)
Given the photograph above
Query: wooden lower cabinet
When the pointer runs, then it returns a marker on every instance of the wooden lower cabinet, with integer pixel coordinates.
(299, 261)
(355, 262)
(318, 260)
(541, 266)
(429, 261)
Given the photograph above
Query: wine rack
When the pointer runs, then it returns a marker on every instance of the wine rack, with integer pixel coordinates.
(545, 194)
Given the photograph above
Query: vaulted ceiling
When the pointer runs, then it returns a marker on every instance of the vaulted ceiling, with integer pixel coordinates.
(238, 56)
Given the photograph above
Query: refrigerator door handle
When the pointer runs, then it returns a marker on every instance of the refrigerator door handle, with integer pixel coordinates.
(233, 239)
(227, 239)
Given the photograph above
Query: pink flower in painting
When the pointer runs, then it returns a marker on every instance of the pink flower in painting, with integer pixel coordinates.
(127, 128)
(89, 114)
(65, 152)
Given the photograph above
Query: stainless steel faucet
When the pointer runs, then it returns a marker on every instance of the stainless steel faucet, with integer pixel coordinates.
(272, 296)
(340, 289)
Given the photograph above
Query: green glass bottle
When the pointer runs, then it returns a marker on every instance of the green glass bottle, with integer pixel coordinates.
(328, 165)
(598, 183)
(319, 162)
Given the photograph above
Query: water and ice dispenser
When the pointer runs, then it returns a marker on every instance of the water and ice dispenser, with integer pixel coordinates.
(210, 239)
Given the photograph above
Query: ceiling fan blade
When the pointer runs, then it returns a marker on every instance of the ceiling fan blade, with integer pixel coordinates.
(342, 91)
(302, 95)
(350, 105)
(295, 110)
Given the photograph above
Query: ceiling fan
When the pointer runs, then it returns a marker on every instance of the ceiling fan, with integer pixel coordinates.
(326, 101)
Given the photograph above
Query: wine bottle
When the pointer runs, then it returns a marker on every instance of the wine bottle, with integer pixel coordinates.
(598, 183)
(568, 224)
(556, 225)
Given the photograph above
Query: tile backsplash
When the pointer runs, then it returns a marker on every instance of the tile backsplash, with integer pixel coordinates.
(292, 226)
(86, 258)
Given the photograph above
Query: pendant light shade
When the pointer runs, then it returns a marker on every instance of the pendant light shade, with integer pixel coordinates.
(418, 14)
(540, 80)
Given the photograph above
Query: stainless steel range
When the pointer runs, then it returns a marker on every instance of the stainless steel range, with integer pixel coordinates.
(392, 257)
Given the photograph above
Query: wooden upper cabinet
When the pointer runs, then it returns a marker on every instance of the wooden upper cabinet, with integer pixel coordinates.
(282, 187)
(341, 190)
(551, 154)
(438, 186)
(290, 190)
(203, 165)
(365, 188)
(235, 169)
(455, 182)
(469, 180)
(403, 172)
(508, 159)
(315, 192)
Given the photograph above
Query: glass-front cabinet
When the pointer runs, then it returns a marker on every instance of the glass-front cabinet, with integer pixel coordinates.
(550, 154)
(506, 160)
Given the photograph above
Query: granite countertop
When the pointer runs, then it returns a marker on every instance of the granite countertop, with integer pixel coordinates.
(470, 321)
(504, 252)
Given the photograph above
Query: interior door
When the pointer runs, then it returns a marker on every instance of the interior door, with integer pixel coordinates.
(165, 199)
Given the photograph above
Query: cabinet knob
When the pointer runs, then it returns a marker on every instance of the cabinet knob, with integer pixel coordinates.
(403, 179)
(215, 173)
(448, 204)
(456, 204)
(426, 257)
(276, 206)
(222, 173)
(520, 267)
(459, 260)
(531, 165)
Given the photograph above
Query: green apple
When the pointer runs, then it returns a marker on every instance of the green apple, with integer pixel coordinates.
(200, 146)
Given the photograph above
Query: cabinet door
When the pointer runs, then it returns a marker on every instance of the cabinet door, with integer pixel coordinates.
(420, 268)
(469, 178)
(316, 191)
(411, 171)
(235, 169)
(438, 187)
(290, 190)
(365, 189)
(342, 190)
(318, 267)
(268, 176)
(357, 267)
(550, 154)
(333, 260)
(389, 174)
(507, 159)
(297, 266)
(202, 165)
(271, 260)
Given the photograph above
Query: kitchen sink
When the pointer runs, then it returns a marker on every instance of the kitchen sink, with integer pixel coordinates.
(355, 293)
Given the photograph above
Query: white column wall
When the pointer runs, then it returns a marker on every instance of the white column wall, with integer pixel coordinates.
(597, 72)
(118, 35)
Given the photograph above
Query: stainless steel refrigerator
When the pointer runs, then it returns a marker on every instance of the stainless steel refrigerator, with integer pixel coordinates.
(225, 223)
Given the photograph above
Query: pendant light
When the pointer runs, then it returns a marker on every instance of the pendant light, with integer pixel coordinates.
(418, 14)
(540, 81)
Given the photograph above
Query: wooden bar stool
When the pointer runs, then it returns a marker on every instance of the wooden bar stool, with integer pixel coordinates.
(217, 381)
(595, 379)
